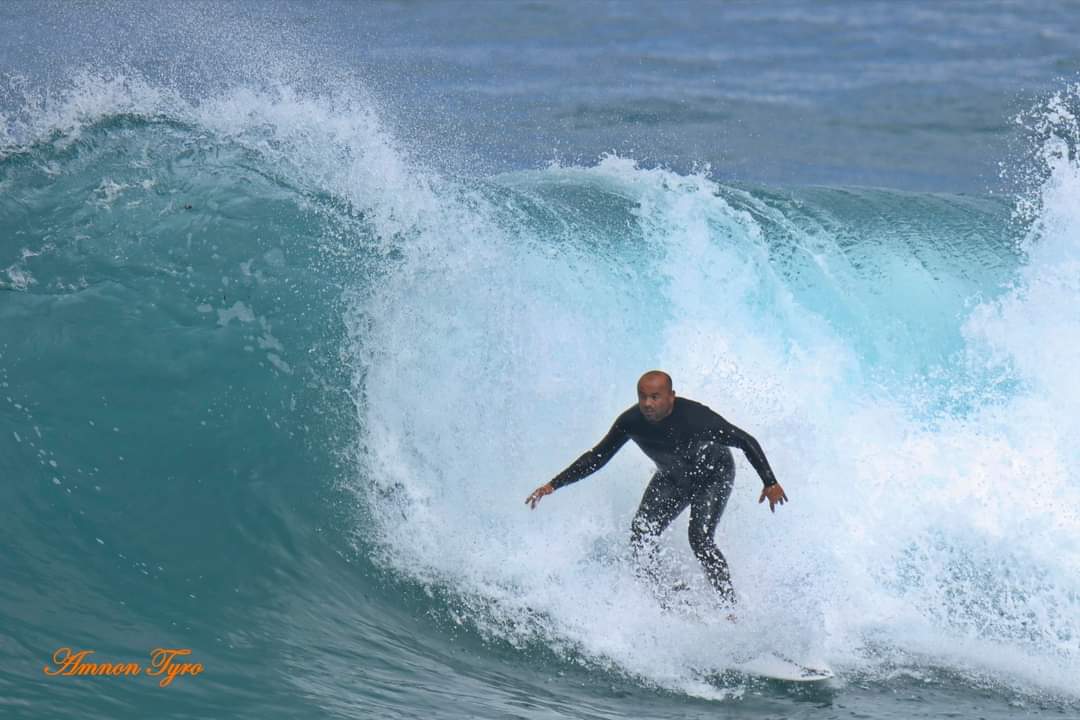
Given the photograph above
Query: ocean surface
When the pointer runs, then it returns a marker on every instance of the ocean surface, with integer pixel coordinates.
(299, 301)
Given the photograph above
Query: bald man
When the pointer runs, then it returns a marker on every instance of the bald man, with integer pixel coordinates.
(694, 468)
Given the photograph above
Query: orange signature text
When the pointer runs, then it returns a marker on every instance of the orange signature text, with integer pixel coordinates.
(163, 665)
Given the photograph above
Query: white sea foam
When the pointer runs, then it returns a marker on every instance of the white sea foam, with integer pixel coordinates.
(490, 357)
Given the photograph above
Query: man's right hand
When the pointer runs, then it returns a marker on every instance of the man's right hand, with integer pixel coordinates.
(545, 489)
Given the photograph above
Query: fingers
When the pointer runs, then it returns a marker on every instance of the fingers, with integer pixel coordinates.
(534, 498)
(776, 496)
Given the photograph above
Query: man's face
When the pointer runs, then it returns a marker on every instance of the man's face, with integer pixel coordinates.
(655, 398)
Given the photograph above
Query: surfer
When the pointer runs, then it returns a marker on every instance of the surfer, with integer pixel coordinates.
(694, 468)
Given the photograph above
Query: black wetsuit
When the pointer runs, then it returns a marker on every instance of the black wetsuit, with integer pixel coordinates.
(694, 468)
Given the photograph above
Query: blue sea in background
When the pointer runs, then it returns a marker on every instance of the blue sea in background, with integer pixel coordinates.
(298, 302)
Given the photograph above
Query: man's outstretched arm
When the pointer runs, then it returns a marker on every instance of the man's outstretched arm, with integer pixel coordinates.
(737, 437)
(586, 465)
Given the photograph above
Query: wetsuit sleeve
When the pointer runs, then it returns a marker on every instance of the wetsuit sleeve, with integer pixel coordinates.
(594, 459)
(732, 436)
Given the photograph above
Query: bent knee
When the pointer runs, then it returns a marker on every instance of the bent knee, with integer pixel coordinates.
(641, 527)
(700, 541)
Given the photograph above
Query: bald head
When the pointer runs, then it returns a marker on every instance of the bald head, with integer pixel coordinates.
(656, 398)
(654, 376)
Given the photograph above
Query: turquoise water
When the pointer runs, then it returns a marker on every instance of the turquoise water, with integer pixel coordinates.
(299, 302)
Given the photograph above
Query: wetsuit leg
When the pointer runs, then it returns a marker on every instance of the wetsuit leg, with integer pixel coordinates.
(706, 507)
(662, 502)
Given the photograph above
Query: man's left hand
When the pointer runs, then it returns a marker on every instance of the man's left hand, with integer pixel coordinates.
(775, 494)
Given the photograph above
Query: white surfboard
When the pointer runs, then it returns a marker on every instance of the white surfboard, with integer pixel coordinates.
(766, 665)
(770, 665)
